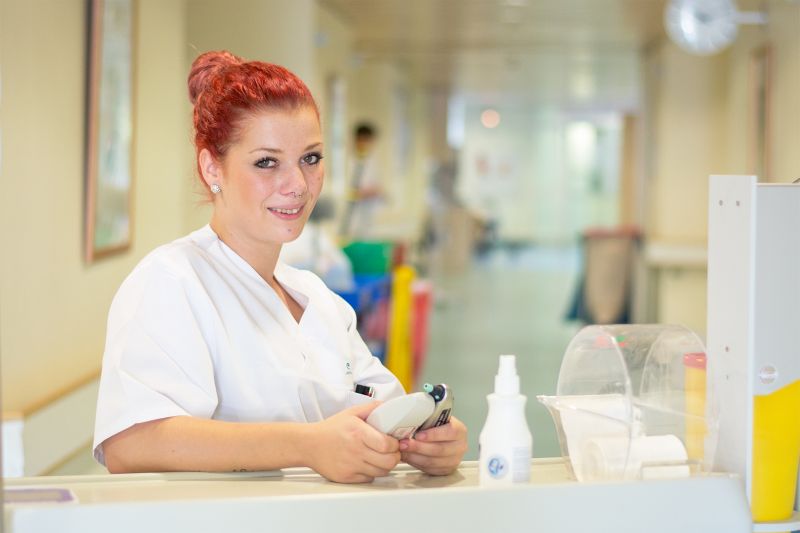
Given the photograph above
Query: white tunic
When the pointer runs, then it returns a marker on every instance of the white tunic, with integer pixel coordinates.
(194, 330)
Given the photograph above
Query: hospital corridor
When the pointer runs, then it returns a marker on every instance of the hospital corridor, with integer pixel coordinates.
(480, 265)
(516, 299)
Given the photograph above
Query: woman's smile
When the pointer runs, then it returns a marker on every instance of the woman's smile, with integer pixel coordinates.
(287, 213)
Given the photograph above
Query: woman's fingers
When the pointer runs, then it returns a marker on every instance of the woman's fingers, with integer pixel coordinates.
(383, 461)
(438, 450)
(436, 466)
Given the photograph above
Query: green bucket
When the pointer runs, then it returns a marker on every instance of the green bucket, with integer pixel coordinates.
(370, 257)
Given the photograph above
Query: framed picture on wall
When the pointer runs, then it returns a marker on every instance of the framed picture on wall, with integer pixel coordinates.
(109, 128)
(760, 89)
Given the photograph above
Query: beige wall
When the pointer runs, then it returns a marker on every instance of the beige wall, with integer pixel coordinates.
(423, 163)
(700, 120)
(53, 306)
(334, 66)
(333, 55)
(278, 31)
(687, 138)
(783, 36)
(687, 144)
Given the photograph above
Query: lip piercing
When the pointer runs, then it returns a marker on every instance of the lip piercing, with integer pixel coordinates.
(215, 188)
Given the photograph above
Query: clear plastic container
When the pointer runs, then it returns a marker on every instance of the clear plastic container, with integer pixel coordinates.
(632, 403)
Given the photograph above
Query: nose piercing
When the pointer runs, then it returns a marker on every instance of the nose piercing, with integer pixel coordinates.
(298, 195)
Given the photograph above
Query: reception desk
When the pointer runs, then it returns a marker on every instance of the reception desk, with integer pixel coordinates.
(298, 500)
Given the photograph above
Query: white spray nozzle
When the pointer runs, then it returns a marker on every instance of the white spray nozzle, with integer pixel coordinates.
(507, 381)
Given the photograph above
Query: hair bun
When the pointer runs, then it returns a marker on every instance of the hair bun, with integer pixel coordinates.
(206, 67)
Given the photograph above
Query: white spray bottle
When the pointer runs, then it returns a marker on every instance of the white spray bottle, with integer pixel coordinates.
(506, 444)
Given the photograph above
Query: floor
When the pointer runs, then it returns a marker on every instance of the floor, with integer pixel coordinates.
(510, 301)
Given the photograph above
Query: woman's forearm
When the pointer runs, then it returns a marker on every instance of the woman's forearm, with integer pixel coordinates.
(184, 443)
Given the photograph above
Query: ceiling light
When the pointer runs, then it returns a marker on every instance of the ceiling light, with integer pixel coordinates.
(490, 118)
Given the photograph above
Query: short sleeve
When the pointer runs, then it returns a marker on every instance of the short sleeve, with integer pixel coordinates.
(157, 361)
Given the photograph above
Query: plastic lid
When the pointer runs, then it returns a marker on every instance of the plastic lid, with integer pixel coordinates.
(507, 381)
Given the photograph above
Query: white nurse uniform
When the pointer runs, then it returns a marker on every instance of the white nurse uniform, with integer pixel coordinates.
(194, 330)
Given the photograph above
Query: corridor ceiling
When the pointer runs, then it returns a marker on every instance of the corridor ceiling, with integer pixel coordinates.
(582, 51)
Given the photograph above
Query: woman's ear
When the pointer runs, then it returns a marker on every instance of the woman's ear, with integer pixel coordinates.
(210, 168)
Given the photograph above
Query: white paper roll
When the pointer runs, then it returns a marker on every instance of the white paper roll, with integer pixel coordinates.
(604, 458)
(612, 458)
(581, 417)
(661, 457)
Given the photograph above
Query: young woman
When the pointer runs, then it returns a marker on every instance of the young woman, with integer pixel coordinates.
(219, 357)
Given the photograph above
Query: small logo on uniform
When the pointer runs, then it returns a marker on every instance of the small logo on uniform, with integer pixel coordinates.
(349, 370)
(497, 467)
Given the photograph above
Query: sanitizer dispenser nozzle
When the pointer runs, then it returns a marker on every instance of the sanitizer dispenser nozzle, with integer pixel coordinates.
(506, 382)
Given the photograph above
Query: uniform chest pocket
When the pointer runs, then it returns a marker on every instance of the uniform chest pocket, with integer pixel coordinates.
(321, 400)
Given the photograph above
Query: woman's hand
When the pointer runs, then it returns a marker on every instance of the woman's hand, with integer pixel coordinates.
(346, 449)
(436, 451)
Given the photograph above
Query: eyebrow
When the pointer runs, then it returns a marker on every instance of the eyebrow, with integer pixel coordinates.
(279, 151)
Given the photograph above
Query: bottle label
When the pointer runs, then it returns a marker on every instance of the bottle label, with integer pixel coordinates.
(522, 464)
(497, 466)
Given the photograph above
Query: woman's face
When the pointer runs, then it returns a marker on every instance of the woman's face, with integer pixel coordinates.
(271, 177)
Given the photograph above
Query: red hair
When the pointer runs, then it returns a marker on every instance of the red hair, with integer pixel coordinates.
(224, 88)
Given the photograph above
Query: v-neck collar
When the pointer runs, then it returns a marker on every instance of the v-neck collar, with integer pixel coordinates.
(282, 273)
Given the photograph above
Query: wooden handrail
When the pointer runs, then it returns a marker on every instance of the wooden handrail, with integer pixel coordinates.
(51, 398)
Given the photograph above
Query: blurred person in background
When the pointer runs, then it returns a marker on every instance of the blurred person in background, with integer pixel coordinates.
(364, 191)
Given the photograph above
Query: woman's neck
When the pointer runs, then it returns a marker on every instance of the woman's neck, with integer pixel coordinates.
(260, 255)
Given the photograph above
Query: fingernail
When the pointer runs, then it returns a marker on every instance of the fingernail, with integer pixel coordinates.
(403, 445)
(420, 436)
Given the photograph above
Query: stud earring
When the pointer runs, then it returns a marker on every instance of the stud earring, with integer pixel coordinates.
(215, 189)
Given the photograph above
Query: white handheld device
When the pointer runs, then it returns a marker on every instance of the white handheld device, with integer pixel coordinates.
(403, 416)
(400, 417)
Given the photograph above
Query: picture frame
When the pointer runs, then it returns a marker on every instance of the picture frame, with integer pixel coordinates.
(108, 213)
(761, 65)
